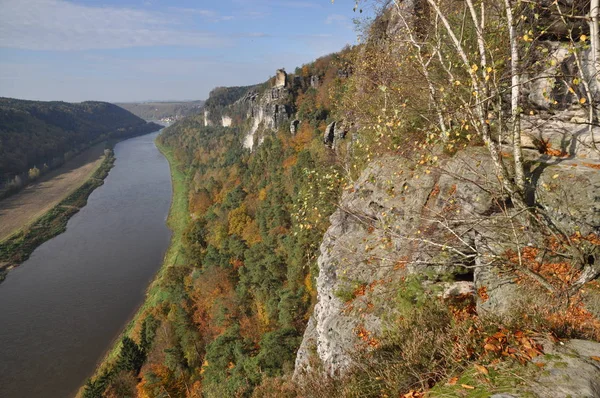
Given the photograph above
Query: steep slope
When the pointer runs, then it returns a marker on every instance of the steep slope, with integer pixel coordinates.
(393, 220)
(43, 135)
(230, 305)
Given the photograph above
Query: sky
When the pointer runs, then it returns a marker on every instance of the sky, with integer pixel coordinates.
(140, 50)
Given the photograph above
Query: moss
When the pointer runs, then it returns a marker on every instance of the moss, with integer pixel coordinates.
(349, 290)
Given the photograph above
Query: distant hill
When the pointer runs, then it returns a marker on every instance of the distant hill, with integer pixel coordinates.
(165, 111)
(43, 135)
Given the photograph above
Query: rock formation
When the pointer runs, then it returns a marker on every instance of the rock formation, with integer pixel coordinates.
(294, 126)
(206, 121)
(226, 121)
(280, 78)
(370, 240)
(269, 110)
(314, 81)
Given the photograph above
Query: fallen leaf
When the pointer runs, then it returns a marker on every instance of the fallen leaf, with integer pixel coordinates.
(595, 358)
(468, 387)
(482, 369)
(453, 381)
(490, 347)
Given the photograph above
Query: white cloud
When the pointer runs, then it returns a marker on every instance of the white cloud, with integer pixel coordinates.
(64, 26)
(335, 18)
(338, 19)
(209, 15)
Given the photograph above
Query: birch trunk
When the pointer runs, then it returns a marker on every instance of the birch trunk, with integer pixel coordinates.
(515, 97)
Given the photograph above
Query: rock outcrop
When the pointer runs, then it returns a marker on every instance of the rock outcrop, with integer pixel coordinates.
(334, 132)
(271, 110)
(280, 78)
(226, 121)
(556, 81)
(388, 227)
(571, 369)
(314, 81)
(207, 121)
(294, 126)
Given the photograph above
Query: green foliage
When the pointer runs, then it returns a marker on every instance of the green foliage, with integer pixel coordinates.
(160, 110)
(50, 133)
(132, 356)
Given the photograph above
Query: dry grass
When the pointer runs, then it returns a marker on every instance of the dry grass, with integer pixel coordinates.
(23, 208)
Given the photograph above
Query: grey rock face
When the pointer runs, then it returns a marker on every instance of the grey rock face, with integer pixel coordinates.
(280, 78)
(567, 132)
(329, 134)
(569, 371)
(270, 111)
(314, 81)
(294, 126)
(381, 231)
(555, 72)
(334, 132)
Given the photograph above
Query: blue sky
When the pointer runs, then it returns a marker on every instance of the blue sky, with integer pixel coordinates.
(134, 50)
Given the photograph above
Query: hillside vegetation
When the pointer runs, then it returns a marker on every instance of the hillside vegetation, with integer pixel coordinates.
(37, 136)
(162, 110)
(394, 220)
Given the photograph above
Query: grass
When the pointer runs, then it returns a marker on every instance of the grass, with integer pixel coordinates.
(507, 377)
(17, 248)
(177, 222)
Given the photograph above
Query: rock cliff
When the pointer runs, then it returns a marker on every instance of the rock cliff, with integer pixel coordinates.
(446, 221)
(388, 226)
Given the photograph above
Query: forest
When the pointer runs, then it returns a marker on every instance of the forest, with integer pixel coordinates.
(162, 110)
(412, 203)
(38, 136)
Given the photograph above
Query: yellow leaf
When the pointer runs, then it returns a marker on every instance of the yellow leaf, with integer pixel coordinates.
(482, 369)
(468, 387)
(583, 37)
(582, 101)
(555, 176)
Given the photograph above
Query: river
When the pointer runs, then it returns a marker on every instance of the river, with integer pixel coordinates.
(61, 310)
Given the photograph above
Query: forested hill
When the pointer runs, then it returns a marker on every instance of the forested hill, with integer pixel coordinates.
(167, 111)
(36, 135)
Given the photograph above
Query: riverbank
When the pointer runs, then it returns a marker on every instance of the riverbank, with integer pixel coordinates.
(21, 209)
(19, 246)
(177, 221)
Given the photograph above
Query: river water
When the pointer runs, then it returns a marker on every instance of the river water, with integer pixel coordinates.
(61, 310)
